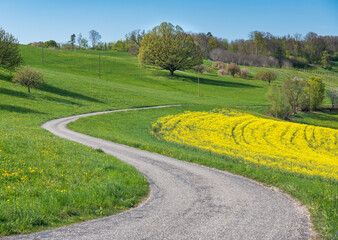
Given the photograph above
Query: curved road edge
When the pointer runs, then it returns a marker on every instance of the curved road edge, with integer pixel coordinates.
(187, 201)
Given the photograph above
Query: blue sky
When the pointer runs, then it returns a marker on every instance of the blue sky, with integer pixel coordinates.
(42, 20)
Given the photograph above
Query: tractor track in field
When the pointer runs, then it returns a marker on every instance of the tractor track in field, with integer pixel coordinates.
(187, 201)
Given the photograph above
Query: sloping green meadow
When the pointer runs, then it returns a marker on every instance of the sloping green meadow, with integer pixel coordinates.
(48, 182)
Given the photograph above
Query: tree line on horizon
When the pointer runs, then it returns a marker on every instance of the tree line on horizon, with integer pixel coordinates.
(261, 49)
(171, 48)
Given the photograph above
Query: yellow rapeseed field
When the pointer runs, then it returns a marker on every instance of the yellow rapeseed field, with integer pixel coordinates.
(290, 146)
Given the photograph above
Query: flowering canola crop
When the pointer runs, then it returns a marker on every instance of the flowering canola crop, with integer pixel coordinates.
(289, 146)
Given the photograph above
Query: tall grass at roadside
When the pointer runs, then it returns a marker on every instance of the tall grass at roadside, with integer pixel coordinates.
(46, 181)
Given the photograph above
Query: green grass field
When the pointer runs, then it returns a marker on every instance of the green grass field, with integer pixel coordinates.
(36, 166)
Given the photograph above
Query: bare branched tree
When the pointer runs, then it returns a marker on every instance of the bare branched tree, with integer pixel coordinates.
(241, 58)
(79, 39)
(94, 37)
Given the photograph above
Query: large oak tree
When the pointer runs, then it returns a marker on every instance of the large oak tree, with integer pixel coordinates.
(170, 48)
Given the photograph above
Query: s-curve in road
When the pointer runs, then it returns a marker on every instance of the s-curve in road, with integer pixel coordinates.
(187, 201)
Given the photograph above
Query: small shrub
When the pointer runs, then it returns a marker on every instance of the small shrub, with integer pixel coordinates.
(50, 43)
(233, 69)
(279, 105)
(222, 72)
(325, 61)
(218, 64)
(202, 68)
(287, 64)
(296, 91)
(333, 95)
(36, 44)
(244, 73)
(29, 78)
(317, 90)
(266, 76)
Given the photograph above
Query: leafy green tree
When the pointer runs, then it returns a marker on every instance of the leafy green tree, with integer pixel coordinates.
(317, 90)
(84, 43)
(314, 46)
(213, 43)
(258, 39)
(169, 48)
(50, 43)
(325, 61)
(267, 76)
(121, 46)
(28, 77)
(10, 57)
(72, 40)
(225, 44)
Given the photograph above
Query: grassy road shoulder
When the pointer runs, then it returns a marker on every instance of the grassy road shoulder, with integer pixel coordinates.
(46, 181)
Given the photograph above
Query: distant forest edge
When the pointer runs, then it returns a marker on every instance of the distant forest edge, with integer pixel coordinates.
(262, 49)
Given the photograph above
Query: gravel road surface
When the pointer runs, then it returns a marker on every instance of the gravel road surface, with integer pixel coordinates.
(187, 201)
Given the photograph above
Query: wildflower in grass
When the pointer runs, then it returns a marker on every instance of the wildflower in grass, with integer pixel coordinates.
(289, 146)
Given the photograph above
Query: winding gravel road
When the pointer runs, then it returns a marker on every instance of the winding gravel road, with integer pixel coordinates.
(187, 201)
